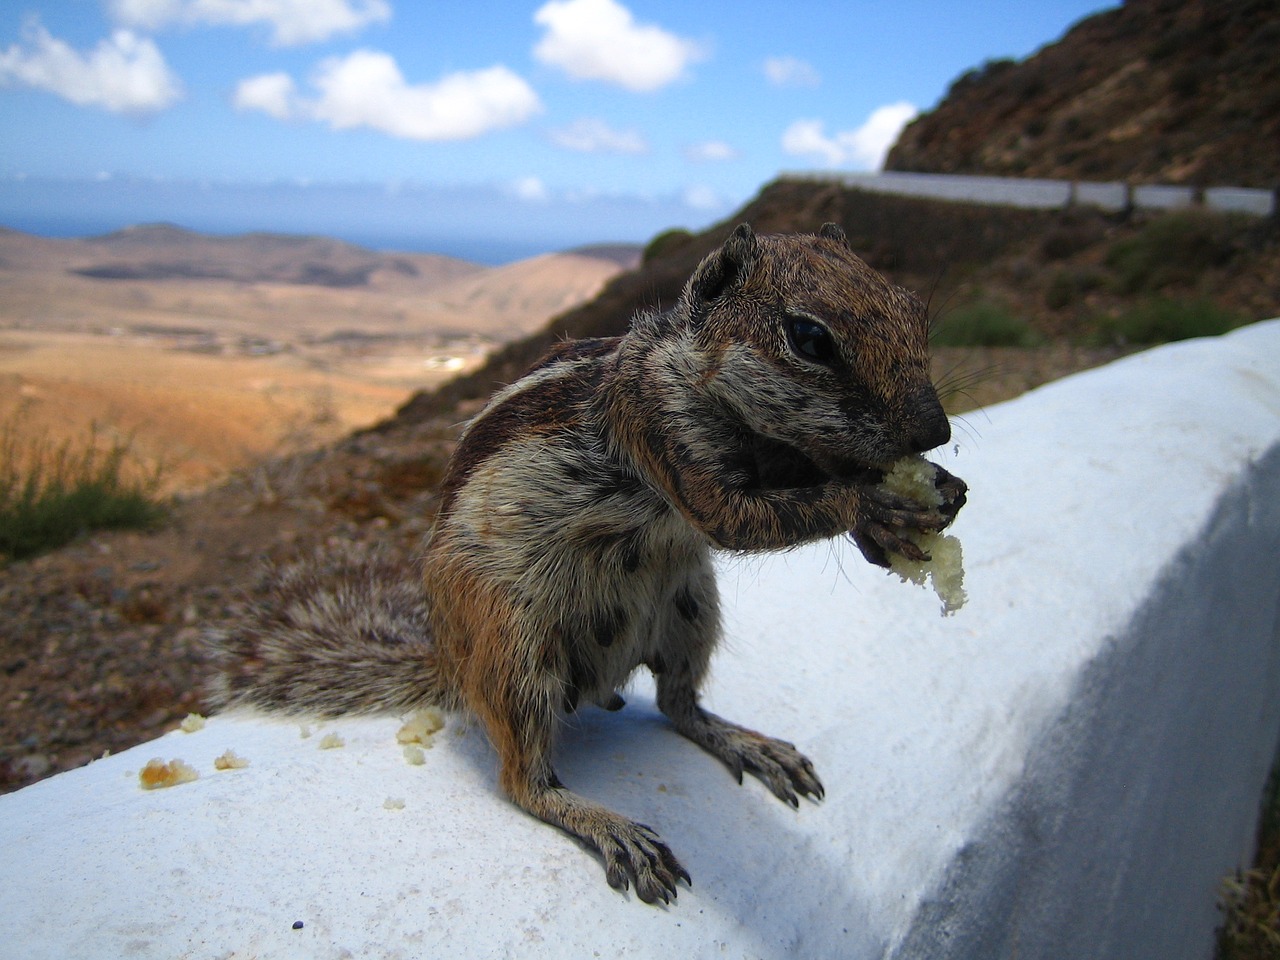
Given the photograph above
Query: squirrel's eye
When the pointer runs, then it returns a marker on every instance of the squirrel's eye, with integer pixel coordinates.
(810, 340)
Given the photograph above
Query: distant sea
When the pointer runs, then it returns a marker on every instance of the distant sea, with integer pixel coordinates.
(483, 250)
(482, 224)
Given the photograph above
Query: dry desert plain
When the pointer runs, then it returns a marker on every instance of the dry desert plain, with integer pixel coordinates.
(212, 353)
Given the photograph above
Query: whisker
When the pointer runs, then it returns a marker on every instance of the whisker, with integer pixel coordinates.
(957, 382)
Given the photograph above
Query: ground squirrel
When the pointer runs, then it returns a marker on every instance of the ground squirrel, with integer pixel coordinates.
(578, 515)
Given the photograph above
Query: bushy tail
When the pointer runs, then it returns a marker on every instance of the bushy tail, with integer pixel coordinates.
(343, 633)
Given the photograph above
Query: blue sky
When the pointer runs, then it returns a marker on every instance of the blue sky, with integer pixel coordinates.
(539, 124)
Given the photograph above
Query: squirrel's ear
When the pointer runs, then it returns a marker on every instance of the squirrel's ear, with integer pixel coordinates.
(833, 231)
(726, 267)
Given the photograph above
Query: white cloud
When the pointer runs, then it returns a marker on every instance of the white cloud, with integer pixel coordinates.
(124, 73)
(292, 22)
(530, 189)
(710, 151)
(367, 89)
(790, 72)
(589, 135)
(274, 94)
(600, 40)
(702, 198)
(863, 148)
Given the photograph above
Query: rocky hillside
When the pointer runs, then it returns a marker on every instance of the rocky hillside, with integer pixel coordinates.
(1062, 273)
(1155, 91)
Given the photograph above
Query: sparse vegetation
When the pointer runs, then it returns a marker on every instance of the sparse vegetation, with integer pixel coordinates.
(1075, 231)
(983, 324)
(1250, 899)
(1069, 286)
(665, 243)
(1163, 320)
(1175, 248)
(49, 495)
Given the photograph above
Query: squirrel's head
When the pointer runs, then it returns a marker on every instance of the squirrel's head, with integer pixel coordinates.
(805, 345)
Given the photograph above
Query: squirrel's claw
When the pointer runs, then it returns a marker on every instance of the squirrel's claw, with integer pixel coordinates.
(954, 492)
(633, 854)
(876, 541)
(787, 772)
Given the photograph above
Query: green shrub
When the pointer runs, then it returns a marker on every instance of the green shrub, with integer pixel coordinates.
(665, 243)
(1068, 286)
(982, 324)
(51, 495)
(1250, 899)
(1173, 248)
(1162, 320)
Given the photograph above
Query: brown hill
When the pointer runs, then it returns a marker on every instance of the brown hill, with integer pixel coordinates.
(213, 352)
(167, 252)
(1157, 91)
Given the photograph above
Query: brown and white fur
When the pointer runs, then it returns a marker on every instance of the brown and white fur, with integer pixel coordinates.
(579, 514)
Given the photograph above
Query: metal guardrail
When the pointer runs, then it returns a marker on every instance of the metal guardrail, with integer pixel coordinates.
(1055, 194)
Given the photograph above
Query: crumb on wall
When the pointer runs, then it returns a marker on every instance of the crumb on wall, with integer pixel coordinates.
(157, 774)
(414, 755)
(230, 761)
(421, 726)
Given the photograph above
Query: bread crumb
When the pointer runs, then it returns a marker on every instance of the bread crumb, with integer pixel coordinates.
(191, 723)
(230, 761)
(331, 741)
(157, 774)
(414, 755)
(913, 479)
(393, 803)
(421, 727)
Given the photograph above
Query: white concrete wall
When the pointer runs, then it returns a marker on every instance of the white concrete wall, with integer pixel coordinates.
(1064, 768)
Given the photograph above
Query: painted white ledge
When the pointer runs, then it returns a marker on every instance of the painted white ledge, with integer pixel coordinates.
(1064, 768)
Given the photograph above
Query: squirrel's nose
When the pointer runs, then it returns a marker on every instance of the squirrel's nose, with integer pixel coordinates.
(929, 425)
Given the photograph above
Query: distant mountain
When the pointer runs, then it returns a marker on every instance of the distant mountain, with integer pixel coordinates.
(1157, 91)
(164, 251)
(624, 255)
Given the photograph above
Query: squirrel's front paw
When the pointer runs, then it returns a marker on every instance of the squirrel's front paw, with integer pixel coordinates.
(633, 854)
(778, 764)
(885, 521)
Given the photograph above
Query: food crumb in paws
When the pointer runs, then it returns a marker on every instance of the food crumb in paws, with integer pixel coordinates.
(913, 479)
(191, 723)
(157, 774)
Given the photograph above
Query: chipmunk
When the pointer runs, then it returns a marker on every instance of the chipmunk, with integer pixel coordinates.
(580, 510)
